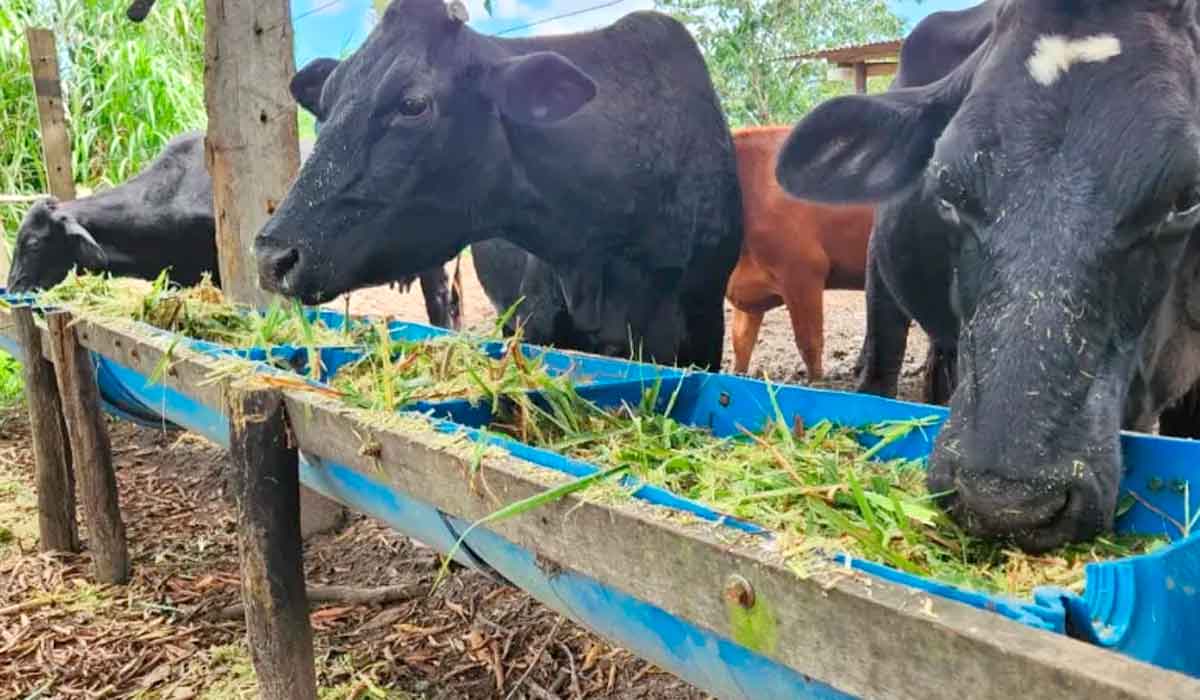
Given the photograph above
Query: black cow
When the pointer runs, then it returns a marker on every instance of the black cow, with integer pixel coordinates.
(160, 218)
(503, 270)
(936, 46)
(1044, 196)
(605, 154)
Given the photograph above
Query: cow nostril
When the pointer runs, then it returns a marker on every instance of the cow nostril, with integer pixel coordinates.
(999, 507)
(283, 262)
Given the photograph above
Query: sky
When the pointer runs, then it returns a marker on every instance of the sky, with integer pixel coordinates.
(336, 27)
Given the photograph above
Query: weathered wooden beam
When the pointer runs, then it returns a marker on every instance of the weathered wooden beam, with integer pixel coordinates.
(874, 70)
(57, 528)
(5, 262)
(860, 78)
(273, 592)
(56, 143)
(90, 449)
(252, 147)
(20, 198)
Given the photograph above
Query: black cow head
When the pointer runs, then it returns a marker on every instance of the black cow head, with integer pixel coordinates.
(49, 243)
(1062, 160)
(413, 150)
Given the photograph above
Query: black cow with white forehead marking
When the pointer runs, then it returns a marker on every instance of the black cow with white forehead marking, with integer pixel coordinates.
(605, 154)
(1050, 184)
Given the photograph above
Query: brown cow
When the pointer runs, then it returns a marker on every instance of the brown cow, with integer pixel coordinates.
(792, 251)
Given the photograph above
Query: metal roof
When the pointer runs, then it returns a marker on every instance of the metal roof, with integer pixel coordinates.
(860, 53)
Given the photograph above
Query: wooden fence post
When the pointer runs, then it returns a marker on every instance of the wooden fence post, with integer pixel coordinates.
(56, 143)
(90, 450)
(252, 147)
(273, 592)
(57, 529)
(5, 262)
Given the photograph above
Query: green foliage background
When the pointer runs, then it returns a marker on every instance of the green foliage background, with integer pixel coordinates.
(747, 44)
(128, 88)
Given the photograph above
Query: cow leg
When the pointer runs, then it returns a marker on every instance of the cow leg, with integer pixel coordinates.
(435, 287)
(886, 338)
(1182, 419)
(704, 340)
(454, 311)
(941, 369)
(746, 325)
(805, 298)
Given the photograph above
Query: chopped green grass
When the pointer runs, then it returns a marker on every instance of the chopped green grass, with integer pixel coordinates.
(199, 312)
(398, 373)
(816, 486)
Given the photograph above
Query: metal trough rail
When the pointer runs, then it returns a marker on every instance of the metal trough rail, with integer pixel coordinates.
(718, 610)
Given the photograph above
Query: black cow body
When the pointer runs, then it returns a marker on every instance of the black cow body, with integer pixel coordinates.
(508, 275)
(1041, 202)
(160, 218)
(605, 154)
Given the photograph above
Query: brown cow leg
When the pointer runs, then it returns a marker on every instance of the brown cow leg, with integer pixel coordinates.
(745, 334)
(805, 298)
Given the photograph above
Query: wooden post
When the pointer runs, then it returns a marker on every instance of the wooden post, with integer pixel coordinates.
(5, 262)
(90, 450)
(273, 591)
(56, 144)
(51, 454)
(252, 148)
(860, 78)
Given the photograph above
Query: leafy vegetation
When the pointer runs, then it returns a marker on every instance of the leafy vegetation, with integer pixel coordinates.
(818, 487)
(199, 312)
(397, 373)
(750, 44)
(10, 381)
(128, 88)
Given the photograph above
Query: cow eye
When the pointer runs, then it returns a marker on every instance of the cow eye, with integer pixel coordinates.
(411, 107)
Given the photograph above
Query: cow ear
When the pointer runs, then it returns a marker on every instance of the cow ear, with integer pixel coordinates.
(88, 253)
(308, 82)
(863, 148)
(539, 88)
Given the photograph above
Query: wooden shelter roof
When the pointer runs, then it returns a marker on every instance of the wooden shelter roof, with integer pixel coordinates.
(881, 51)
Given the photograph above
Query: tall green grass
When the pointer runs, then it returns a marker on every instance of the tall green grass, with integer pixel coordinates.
(10, 381)
(128, 89)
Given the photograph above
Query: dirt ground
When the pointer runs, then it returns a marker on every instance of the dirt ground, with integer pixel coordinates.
(170, 635)
(775, 355)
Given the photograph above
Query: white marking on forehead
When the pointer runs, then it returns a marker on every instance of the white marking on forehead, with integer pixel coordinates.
(1054, 54)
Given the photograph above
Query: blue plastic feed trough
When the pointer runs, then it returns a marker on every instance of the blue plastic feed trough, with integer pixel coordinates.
(1143, 606)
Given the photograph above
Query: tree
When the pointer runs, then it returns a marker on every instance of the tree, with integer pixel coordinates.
(746, 44)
